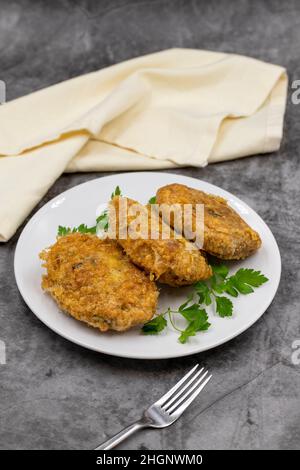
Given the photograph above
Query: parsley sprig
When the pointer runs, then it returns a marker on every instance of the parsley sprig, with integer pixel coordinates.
(82, 228)
(101, 222)
(152, 200)
(242, 282)
(196, 317)
(208, 293)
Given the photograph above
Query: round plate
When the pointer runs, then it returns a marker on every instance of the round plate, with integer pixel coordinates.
(81, 204)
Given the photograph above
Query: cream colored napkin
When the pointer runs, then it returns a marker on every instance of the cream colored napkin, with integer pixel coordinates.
(169, 109)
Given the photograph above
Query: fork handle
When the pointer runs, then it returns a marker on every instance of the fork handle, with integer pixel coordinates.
(121, 436)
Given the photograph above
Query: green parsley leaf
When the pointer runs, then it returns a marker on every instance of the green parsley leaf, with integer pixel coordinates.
(189, 299)
(152, 200)
(189, 331)
(220, 269)
(203, 292)
(154, 326)
(192, 312)
(62, 231)
(216, 284)
(117, 192)
(82, 228)
(217, 281)
(245, 279)
(230, 289)
(224, 306)
(199, 323)
(102, 221)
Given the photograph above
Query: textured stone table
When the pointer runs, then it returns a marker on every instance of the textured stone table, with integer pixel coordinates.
(57, 395)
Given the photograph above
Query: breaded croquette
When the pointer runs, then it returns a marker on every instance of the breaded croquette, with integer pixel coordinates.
(172, 261)
(95, 282)
(226, 234)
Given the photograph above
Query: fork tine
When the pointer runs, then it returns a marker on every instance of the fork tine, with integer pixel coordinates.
(188, 384)
(167, 395)
(181, 397)
(178, 411)
(185, 403)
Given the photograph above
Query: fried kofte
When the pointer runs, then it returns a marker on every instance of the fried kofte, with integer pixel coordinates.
(226, 234)
(95, 282)
(173, 261)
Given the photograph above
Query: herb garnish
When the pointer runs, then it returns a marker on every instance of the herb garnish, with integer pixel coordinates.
(101, 222)
(242, 282)
(152, 200)
(82, 228)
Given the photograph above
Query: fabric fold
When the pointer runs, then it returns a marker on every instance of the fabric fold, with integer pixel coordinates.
(169, 109)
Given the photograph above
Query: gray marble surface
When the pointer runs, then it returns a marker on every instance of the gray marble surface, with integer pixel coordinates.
(56, 395)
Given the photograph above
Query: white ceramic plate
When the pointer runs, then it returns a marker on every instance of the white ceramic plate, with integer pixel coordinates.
(81, 204)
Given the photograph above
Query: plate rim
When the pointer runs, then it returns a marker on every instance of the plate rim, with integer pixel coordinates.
(198, 349)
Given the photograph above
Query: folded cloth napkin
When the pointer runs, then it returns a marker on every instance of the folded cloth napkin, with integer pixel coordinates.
(170, 109)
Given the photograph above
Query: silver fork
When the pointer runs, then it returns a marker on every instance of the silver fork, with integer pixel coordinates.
(168, 408)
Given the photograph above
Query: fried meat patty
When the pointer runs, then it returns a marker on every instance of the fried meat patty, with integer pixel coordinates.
(170, 261)
(226, 234)
(95, 282)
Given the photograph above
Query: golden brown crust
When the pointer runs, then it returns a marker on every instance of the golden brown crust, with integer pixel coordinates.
(226, 234)
(95, 282)
(171, 261)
